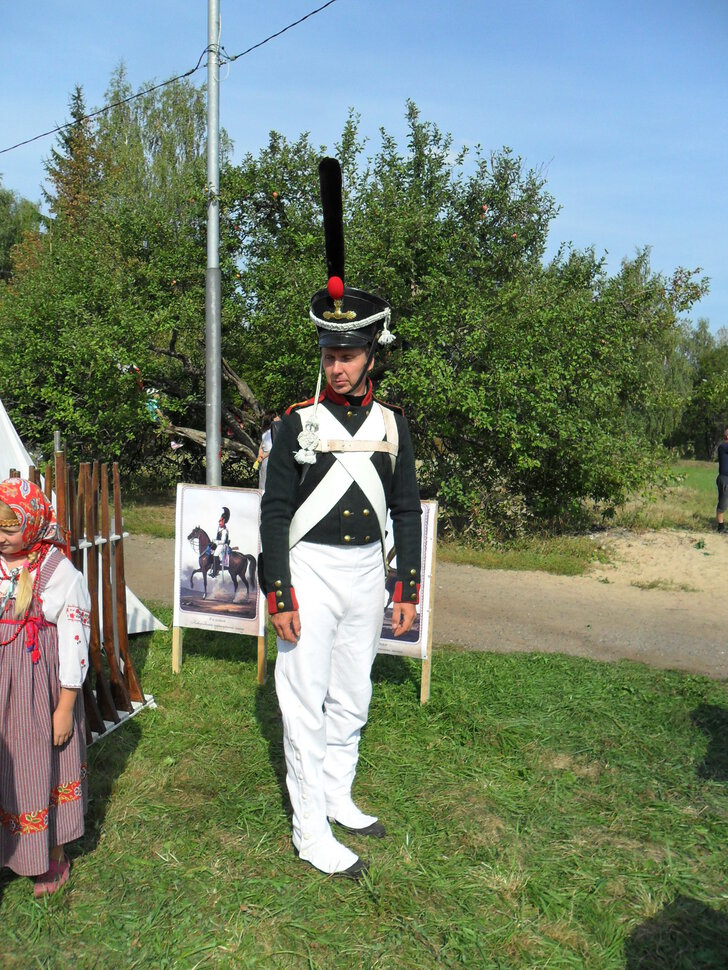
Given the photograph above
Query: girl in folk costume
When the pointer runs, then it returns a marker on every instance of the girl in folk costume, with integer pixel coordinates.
(44, 628)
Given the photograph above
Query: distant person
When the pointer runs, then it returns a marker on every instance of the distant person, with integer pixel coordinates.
(261, 463)
(44, 634)
(722, 481)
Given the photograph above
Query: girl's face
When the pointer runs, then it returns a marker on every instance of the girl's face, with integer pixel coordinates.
(11, 543)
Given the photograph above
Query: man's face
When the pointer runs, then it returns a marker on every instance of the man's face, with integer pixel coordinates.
(343, 366)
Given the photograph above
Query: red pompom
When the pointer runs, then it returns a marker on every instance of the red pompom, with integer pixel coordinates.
(336, 288)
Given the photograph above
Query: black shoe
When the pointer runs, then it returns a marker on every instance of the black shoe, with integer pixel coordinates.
(356, 871)
(375, 831)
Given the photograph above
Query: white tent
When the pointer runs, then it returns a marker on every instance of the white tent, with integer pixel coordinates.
(14, 455)
(12, 452)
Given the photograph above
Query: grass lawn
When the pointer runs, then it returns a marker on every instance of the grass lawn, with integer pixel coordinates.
(688, 504)
(150, 517)
(542, 811)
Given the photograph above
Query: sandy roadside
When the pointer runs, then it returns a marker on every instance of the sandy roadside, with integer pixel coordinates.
(661, 602)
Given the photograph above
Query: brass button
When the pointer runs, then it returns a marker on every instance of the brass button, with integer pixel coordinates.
(413, 596)
(347, 538)
(347, 513)
(413, 572)
(367, 538)
(278, 584)
(412, 582)
(349, 414)
(365, 512)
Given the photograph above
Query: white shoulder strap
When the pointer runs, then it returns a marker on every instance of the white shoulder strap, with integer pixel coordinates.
(352, 464)
(391, 432)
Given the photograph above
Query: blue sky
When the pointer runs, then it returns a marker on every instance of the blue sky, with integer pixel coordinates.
(622, 105)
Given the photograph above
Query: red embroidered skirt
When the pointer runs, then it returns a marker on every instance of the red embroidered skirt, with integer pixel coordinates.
(42, 787)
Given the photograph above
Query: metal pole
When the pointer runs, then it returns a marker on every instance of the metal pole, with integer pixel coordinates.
(213, 350)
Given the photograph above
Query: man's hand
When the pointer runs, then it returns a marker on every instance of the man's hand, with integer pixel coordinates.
(287, 625)
(403, 616)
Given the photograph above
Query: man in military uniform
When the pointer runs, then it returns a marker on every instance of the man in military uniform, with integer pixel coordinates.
(221, 548)
(339, 461)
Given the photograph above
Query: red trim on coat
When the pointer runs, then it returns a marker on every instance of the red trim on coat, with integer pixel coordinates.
(273, 605)
(399, 596)
(337, 398)
(300, 404)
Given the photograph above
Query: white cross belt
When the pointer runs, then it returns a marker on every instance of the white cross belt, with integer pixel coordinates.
(353, 464)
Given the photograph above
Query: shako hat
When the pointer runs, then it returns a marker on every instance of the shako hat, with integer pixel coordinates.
(344, 316)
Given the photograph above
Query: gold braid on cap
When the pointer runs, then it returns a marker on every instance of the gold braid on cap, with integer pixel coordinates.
(9, 523)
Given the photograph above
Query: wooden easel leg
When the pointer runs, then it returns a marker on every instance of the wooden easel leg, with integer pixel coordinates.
(425, 683)
(177, 634)
(262, 660)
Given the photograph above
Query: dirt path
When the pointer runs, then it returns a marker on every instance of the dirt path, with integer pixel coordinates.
(662, 602)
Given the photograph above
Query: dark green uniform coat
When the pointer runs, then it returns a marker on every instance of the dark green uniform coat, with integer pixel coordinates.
(351, 521)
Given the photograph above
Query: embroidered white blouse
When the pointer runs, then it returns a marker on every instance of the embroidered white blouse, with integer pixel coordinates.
(66, 602)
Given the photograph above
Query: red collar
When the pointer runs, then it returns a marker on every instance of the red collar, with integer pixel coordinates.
(337, 398)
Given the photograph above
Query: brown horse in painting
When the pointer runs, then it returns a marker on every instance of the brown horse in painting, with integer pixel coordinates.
(240, 566)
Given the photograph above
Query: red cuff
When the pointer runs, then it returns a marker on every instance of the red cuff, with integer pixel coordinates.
(400, 596)
(282, 601)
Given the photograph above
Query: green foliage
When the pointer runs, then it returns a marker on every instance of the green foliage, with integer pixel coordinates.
(107, 307)
(75, 167)
(529, 387)
(273, 205)
(706, 415)
(17, 217)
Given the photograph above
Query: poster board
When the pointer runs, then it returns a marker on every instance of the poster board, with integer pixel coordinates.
(225, 597)
(223, 603)
(417, 642)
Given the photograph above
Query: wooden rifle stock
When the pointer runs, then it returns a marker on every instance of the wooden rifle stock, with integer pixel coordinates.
(118, 688)
(131, 679)
(103, 693)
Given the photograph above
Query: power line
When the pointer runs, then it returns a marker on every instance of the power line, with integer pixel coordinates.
(278, 34)
(225, 58)
(107, 107)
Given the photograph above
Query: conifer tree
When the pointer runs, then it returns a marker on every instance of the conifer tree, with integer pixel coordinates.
(74, 167)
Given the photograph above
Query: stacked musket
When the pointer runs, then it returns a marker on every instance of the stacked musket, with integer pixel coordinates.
(112, 690)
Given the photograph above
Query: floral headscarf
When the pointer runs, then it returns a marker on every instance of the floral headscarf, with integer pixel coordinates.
(36, 517)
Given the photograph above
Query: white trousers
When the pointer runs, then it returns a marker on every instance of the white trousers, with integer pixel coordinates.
(323, 682)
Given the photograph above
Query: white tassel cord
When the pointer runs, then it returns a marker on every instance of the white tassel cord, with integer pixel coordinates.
(308, 438)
